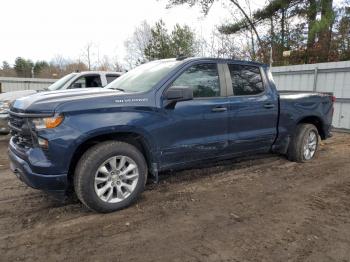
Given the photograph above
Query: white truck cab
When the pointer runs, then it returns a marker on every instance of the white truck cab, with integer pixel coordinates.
(84, 80)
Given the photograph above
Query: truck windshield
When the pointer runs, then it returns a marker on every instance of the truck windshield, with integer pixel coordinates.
(61, 82)
(144, 77)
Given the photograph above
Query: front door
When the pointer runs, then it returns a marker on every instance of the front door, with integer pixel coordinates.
(196, 129)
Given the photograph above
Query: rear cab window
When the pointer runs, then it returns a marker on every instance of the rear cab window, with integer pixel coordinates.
(246, 80)
(111, 77)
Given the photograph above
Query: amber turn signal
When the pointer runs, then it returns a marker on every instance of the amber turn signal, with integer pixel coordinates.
(48, 122)
(52, 122)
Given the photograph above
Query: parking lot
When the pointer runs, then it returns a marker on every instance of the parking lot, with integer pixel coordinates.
(254, 209)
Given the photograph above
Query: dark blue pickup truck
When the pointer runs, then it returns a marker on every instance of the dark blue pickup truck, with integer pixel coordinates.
(162, 115)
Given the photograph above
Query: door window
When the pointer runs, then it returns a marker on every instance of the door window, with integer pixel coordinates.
(246, 80)
(202, 78)
(87, 81)
(80, 83)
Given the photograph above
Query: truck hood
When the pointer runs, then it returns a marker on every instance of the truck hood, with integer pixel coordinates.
(46, 102)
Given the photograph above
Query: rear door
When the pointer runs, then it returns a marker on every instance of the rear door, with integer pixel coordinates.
(196, 129)
(253, 109)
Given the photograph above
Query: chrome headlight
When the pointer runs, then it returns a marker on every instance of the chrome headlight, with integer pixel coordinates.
(4, 106)
(47, 122)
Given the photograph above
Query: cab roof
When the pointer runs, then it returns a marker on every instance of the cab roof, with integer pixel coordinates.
(222, 60)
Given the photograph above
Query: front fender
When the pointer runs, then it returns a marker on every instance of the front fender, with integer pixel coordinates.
(76, 129)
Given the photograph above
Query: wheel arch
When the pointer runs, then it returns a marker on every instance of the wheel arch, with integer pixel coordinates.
(316, 121)
(134, 138)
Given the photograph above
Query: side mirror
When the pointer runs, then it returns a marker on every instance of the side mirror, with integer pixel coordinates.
(179, 93)
(176, 94)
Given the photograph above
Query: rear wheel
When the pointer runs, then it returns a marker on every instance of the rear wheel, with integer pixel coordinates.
(110, 176)
(304, 143)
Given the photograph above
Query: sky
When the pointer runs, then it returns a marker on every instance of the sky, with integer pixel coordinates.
(43, 29)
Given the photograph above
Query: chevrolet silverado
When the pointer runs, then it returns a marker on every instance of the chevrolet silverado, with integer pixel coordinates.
(162, 115)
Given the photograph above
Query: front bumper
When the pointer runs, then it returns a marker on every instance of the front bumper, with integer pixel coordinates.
(23, 169)
(4, 128)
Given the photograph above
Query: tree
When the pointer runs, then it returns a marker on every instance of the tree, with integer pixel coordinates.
(104, 64)
(220, 45)
(23, 67)
(59, 61)
(136, 44)
(276, 15)
(88, 54)
(39, 66)
(341, 34)
(311, 29)
(107, 65)
(5, 65)
(226, 29)
(75, 66)
(117, 66)
(248, 22)
(159, 46)
(182, 41)
(324, 28)
(311, 19)
(6, 70)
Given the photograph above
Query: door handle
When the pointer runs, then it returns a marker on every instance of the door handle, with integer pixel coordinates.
(219, 109)
(269, 105)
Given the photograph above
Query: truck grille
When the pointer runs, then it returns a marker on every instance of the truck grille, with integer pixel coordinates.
(16, 122)
(20, 131)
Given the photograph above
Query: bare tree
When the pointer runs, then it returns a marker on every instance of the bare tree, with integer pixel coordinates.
(87, 54)
(110, 64)
(59, 61)
(250, 36)
(117, 66)
(245, 41)
(137, 43)
(75, 66)
(7, 70)
(105, 64)
(249, 19)
(219, 45)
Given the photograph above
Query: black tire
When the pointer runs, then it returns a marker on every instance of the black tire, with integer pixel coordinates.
(86, 169)
(296, 146)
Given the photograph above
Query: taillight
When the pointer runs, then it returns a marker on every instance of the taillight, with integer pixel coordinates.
(333, 99)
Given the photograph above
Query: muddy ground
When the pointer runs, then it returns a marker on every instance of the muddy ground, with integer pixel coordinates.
(258, 209)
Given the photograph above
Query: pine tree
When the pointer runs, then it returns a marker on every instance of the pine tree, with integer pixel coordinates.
(159, 47)
(23, 67)
(182, 41)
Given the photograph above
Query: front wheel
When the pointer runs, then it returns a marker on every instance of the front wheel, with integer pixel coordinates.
(110, 176)
(304, 143)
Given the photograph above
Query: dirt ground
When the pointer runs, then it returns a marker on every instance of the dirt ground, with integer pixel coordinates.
(259, 209)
